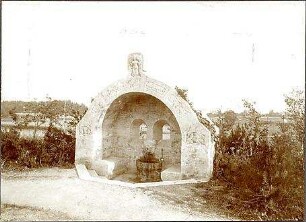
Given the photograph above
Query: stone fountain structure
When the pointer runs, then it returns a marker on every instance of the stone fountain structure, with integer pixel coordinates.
(110, 136)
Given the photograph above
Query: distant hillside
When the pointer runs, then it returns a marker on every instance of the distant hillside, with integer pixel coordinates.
(62, 107)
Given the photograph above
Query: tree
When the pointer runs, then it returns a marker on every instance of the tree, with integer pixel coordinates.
(286, 167)
(295, 111)
(77, 116)
(39, 114)
(59, 147)
(9, 145)
(43, 113)
(242, 147)
(229, 120)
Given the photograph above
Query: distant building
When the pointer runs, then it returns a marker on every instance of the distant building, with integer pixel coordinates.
(273, 119)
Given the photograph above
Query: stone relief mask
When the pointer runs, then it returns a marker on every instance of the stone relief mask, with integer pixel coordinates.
(135, 64)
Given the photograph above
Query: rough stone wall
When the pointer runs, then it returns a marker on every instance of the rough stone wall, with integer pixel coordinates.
(119, 141)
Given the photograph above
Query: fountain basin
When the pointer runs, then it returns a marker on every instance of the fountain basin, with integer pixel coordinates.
(148, 171)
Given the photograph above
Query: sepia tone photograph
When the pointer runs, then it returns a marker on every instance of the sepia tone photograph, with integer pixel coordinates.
(152, 110)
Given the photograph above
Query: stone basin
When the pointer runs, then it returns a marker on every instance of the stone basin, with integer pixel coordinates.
(148, 171)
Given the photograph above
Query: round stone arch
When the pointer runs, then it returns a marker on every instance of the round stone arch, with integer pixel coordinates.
(134, 127)
(139, 120)
(122, 123)
(197, 149)
(158, 129)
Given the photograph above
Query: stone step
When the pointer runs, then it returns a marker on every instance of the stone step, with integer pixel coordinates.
(82, 171)
(93, 173)
(172, 173)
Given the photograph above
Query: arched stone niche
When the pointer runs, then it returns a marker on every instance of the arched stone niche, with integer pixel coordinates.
(196, 148)
(138, 129)
(160, 128)
(130, 120)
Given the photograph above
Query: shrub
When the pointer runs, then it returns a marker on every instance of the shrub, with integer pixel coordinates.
(59, 148)
(286, 177)
(268, 173)
(9, 145)
(28, 150)
(55, 149)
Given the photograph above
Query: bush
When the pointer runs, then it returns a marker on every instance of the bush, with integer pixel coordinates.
(28, 150)
(269, 174)
(55, 149)
(287, 177)
(59, 148)
(9, 145)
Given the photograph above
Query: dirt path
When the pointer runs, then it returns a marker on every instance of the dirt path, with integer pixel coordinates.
(23, 213)
(62, 191)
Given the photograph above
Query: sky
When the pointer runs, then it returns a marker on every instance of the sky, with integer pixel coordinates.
(222, 52)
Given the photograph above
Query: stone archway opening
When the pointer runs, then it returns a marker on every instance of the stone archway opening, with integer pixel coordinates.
(138, 130)
(161, 130)
(133, 118)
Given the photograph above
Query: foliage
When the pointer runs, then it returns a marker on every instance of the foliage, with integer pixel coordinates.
(77, 116)
(184, 94)
(59, 147)
(42, 114)
(55, 149)
(29, 152)
(295, 102)
(268, 172)
(230, 118)
(248, 141)
(58, 106)
(9, 146)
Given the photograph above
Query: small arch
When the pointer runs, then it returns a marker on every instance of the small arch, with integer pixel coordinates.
(166, 132)
(139, 129)
(161, 130)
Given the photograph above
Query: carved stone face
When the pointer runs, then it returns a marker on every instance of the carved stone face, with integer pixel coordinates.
(135, 64)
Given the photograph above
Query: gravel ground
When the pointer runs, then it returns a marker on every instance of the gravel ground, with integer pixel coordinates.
(60, 192)
(17, 213)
